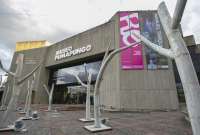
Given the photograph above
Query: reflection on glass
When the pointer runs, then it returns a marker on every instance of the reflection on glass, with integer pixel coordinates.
(65, 75)
(151, 29)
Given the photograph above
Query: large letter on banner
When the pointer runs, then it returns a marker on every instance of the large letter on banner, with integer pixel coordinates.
(131, 58)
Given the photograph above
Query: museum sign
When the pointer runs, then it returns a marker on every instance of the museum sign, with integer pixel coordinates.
(69, 51)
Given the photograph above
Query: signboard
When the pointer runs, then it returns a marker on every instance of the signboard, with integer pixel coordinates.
(69, 51)
(130, 58)
(151, 29)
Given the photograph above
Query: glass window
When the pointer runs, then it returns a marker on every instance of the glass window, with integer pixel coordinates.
(66, 75)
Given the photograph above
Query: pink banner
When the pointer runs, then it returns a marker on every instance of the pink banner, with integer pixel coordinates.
(131, 58)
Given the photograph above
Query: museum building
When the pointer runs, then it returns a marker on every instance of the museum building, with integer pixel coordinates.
(135, 79)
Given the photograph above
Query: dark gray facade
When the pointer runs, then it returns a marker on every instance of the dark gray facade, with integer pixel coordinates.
(194, 50)
(120, 89)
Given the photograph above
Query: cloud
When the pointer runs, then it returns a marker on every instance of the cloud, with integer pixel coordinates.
(16, 25)
(190, 21)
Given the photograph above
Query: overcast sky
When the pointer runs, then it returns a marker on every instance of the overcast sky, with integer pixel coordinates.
(55, 20)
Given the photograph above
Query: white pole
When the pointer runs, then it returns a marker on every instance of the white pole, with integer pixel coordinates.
(88, 112)
(178, 13)
(30, 97)
(106, 60)
(51, 97)
(16, 90)
(185, 68)
(88, 88)
(27, 96)
(180, 54)
(17, 81)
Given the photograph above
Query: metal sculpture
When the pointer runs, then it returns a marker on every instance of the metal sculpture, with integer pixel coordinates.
(50, 95)
(18, 126)
(27, 98)
(28, 115)
(18, 80)
(87, 85)
(179, 52)
(98, 125)
(88, 110)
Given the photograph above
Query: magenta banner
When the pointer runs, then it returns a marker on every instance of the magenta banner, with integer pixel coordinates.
(131, 58)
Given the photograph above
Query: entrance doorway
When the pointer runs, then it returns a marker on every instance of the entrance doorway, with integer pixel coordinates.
(1, 96)
(76, 95)
(69, 95)
(67, 88)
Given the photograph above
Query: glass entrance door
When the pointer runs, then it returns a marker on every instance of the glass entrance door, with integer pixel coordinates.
(67, 88)
(76, 95)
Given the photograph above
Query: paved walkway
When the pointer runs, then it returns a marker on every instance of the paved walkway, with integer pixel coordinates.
(66, 123)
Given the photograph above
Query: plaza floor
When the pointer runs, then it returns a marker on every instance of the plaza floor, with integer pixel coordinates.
(65, 122)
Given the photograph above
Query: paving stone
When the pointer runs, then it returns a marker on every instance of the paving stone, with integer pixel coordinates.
(122, 123)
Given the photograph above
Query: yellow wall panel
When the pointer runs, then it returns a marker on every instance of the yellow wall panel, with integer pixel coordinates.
(25, 45)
